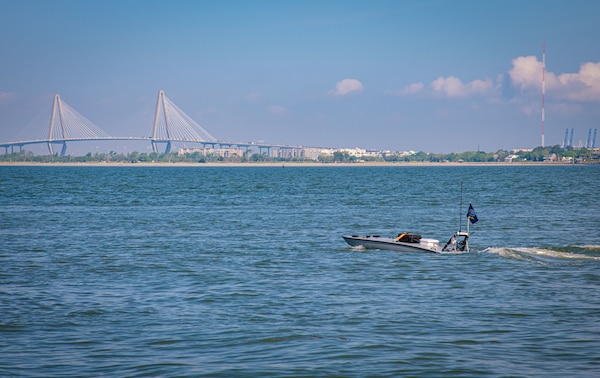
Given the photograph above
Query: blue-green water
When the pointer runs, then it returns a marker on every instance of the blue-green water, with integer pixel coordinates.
(223, 271)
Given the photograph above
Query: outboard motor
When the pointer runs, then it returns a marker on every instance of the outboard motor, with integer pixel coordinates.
(462, 244)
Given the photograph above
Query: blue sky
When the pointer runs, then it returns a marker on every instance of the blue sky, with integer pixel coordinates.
(436, 76)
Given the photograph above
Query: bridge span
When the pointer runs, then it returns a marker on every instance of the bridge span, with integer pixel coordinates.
(171, 124)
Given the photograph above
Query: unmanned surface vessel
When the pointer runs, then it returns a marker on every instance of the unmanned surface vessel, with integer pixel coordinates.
(408, 242)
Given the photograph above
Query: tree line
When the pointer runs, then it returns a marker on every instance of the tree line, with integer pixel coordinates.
(553, 153)
(538, 154)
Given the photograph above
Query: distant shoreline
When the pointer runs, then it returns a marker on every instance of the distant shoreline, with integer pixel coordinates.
(287, 164)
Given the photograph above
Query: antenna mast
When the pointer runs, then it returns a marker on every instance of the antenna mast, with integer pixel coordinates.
(460, 211)
(543, 87)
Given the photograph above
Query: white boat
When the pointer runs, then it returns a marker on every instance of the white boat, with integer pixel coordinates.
(408, 242)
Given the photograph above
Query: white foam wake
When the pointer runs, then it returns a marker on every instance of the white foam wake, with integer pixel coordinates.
(524, 253)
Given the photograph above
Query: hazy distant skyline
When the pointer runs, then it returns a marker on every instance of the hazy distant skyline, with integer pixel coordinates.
(436, 76)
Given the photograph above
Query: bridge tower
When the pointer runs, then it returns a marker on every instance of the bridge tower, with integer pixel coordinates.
(173, 124)
(160, 104)
(66, 124)
(57, 107)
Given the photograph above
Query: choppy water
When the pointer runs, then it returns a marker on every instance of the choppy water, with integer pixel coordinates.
(223, 271)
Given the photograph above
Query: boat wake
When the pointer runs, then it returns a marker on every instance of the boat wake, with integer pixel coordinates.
(542, 255)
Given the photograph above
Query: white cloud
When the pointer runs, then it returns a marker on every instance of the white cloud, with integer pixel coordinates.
(453, 87)
(411, 89)
(582, 86)
(525, 75)
(348, 86)
(526, 72)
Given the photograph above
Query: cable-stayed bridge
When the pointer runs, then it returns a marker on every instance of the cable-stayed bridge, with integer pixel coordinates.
(171, 124)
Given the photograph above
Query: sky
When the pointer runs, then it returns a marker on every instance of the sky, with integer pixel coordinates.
(430, 75)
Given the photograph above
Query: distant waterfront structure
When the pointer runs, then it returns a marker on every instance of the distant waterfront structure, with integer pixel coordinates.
(571, 140)
(222, 152)
(307, 153)
(568, 142)
(172, 125)
(591, 141)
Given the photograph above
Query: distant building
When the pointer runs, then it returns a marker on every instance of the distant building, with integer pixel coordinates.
(310, 153)
(517, 150)
(327, 151)
(287, 153)
(223, 152)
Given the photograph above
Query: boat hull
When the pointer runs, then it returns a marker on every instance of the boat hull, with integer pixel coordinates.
(376, 242)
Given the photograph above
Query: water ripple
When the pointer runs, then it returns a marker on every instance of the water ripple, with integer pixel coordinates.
(242, 272)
